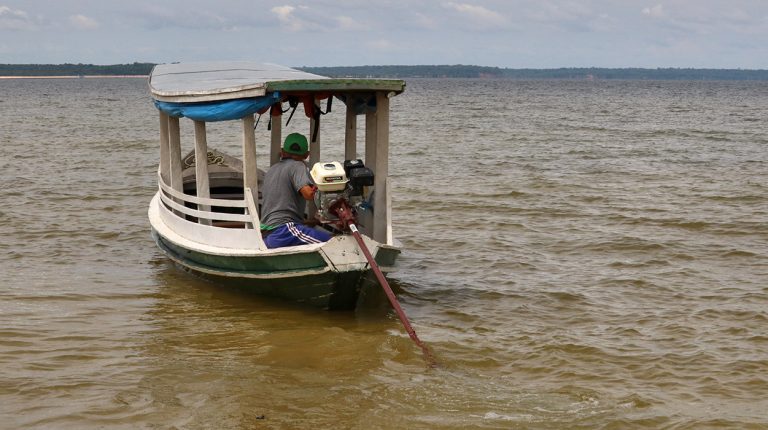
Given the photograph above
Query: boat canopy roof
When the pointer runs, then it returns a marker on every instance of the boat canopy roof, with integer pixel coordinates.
(207, 81)
(217, 91)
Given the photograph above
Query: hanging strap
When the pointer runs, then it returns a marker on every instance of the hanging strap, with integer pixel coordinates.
(293, 103)
(316, 112)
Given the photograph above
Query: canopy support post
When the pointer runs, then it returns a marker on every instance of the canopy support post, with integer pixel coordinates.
(201, 168)
(381, 213)
(370, 139)
(251, 177)
(174, 133)
(314, 138)
(165, 150)
(350, 134)
(250, 172)
(314, 153)
(370, 160)
(276, 142)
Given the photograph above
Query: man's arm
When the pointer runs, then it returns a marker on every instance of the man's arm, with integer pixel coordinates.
(308, 192)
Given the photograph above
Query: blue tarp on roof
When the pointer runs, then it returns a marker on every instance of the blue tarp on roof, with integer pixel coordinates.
(225, 110)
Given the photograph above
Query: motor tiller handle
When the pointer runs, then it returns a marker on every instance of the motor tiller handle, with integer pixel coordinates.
(347, 219)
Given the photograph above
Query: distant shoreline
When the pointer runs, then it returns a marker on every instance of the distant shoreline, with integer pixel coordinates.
(73, 76)
(142, 70)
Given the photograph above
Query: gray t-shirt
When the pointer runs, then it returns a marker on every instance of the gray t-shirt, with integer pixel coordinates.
(281, 200)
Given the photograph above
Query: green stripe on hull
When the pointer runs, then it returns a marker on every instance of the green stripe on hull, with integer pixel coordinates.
(331, 290)
(268, 264)
(325, 288)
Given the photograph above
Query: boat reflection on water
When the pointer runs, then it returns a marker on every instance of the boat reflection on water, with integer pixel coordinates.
(229, 358)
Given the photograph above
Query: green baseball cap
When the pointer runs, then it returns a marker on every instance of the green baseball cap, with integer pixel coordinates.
(296, 143)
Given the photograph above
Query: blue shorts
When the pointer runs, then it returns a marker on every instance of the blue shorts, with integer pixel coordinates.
(292, 234)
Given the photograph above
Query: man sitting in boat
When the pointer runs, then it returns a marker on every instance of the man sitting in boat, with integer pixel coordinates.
(286, 189)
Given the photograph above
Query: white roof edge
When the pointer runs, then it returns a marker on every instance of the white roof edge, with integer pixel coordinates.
(205, 81)
(190, 98)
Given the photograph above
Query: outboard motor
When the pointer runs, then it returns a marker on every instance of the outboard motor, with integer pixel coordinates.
(340, 186)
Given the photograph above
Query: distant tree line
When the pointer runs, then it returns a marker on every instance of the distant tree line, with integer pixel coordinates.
(637, 74)
(434, 71)
(74, 69)
(462, 71)
(445, 71)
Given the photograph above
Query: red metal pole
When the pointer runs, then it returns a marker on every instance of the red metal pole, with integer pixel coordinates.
(391, 296)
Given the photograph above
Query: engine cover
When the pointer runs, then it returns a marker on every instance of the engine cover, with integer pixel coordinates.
(329, 176)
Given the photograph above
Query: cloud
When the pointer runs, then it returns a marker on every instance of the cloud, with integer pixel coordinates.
(285, 14)
(569, 17)
(739, 21)
(478, 14)
(349, 24)
(307, 19)
(655, 11)
(381, 45)
(13, 19)
(424, 21)
(82, 22)
(156, 17)
(718, 19)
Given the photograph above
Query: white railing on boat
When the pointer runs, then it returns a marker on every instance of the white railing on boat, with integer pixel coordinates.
(176, 201)
(201, 228)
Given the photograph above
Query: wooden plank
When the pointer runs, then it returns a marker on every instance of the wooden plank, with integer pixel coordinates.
(381, 194)
(201, 168)
(350, 135)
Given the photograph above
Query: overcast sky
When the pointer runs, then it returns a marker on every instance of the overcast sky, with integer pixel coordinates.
(504, 33)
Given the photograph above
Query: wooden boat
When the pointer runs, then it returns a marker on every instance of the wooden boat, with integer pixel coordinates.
(205, 214)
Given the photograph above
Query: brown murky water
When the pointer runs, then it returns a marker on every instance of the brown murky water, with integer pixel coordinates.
(577, 255)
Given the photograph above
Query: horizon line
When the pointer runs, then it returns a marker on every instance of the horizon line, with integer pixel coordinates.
(426, 65)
